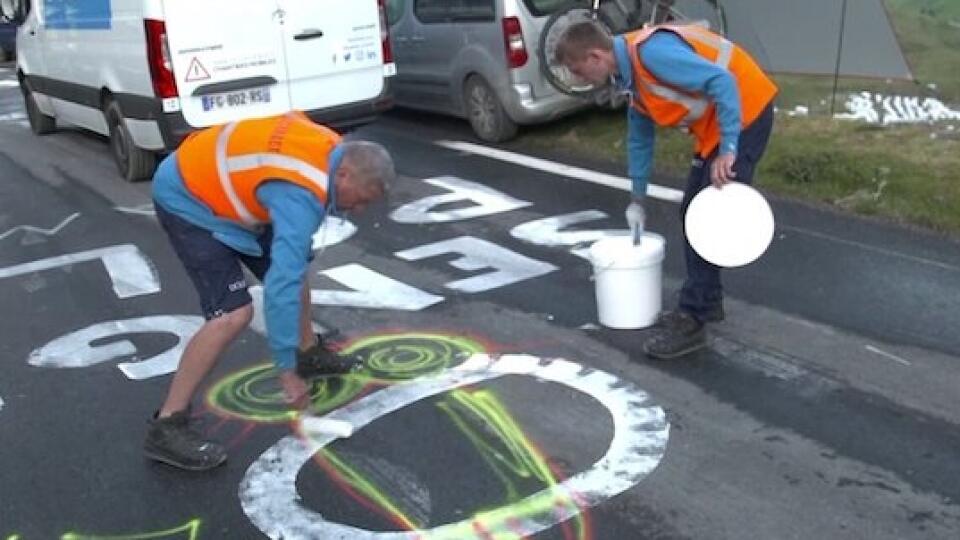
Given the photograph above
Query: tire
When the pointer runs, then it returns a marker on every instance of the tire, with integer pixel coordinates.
(486, 114)
(133, 162)
(558, 76)
(40, 124)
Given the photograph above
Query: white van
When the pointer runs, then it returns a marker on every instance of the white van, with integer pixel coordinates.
(148, 72)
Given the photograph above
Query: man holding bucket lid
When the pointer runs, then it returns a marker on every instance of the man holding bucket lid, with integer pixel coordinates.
(688, 77)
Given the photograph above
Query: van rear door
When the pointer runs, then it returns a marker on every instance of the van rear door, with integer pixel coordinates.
(227, 58)
(237, 59)
(334, 51)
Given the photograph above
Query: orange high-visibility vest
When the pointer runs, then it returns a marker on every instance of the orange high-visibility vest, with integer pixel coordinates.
(223, 166)
(673, 107)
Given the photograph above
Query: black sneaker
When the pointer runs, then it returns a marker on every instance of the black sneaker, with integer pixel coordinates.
(171, 440)
(679, 334)
(321, 360)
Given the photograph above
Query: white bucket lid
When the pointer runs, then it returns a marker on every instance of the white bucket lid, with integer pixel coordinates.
(619, 251)
(731, 226)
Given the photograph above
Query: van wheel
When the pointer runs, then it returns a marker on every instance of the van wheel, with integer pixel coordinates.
(133, 162)
(40, 123)
(487, 117)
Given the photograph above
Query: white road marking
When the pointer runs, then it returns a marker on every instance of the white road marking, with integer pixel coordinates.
(141, 210)
(268, 492)
(130, 271)
(78, 350)
(12, 117)
(655, 191)
(603, 179)
(46, 232)
(885, 354)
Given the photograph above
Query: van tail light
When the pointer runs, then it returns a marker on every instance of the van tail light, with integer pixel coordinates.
(158, 58)
(513, 40)
(385, 33)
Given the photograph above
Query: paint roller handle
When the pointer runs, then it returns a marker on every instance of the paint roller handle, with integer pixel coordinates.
(636, 219)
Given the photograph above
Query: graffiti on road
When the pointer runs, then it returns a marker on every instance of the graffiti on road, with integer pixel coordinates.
(400, 370)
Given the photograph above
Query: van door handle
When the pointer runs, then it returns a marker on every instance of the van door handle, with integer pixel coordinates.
(418, 39)
(309, 33)
(400, 39)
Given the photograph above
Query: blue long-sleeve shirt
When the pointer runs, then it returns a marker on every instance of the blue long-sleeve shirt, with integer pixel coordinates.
(295, 214)
(674, 62)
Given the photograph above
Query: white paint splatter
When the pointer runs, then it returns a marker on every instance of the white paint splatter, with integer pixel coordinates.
(509, 267)
(486, 201)
(37, 230)
(269, 496)
(74, 350)
(131, 273)
(886, 110)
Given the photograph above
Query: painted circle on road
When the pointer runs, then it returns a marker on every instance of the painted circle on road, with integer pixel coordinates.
(269, 497)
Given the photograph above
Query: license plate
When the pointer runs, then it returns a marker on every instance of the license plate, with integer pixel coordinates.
(240, 98)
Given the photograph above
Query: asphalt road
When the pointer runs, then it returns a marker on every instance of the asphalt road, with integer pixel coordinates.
(493, 406)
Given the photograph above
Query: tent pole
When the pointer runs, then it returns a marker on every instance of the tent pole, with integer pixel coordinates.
(836, 71)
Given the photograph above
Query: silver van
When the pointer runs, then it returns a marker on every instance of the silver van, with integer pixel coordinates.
(475, 59)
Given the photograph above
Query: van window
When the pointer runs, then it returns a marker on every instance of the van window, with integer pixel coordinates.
(432, 11)
(539, 8)
(395, 10)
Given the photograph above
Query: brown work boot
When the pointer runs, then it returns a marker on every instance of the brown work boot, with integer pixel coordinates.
(678, 334)
(173, 441)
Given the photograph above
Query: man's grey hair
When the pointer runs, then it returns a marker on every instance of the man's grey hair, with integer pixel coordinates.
(370, 162)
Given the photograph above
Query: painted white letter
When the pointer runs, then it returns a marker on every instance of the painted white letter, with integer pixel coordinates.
(130, 271)
(510, 267)
(74, 350)
(546, 232)
(487, 202)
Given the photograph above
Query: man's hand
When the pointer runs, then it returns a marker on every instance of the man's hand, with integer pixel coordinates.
(721, 170)
(636, 218)
(296, 391)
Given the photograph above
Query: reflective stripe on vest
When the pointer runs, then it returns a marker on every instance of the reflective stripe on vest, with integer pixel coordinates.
(696, 107)
(245, 162)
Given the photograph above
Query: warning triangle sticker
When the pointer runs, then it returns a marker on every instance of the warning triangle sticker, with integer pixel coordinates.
(196, 71)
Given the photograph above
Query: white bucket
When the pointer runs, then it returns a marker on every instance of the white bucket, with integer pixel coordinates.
(628, 280)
